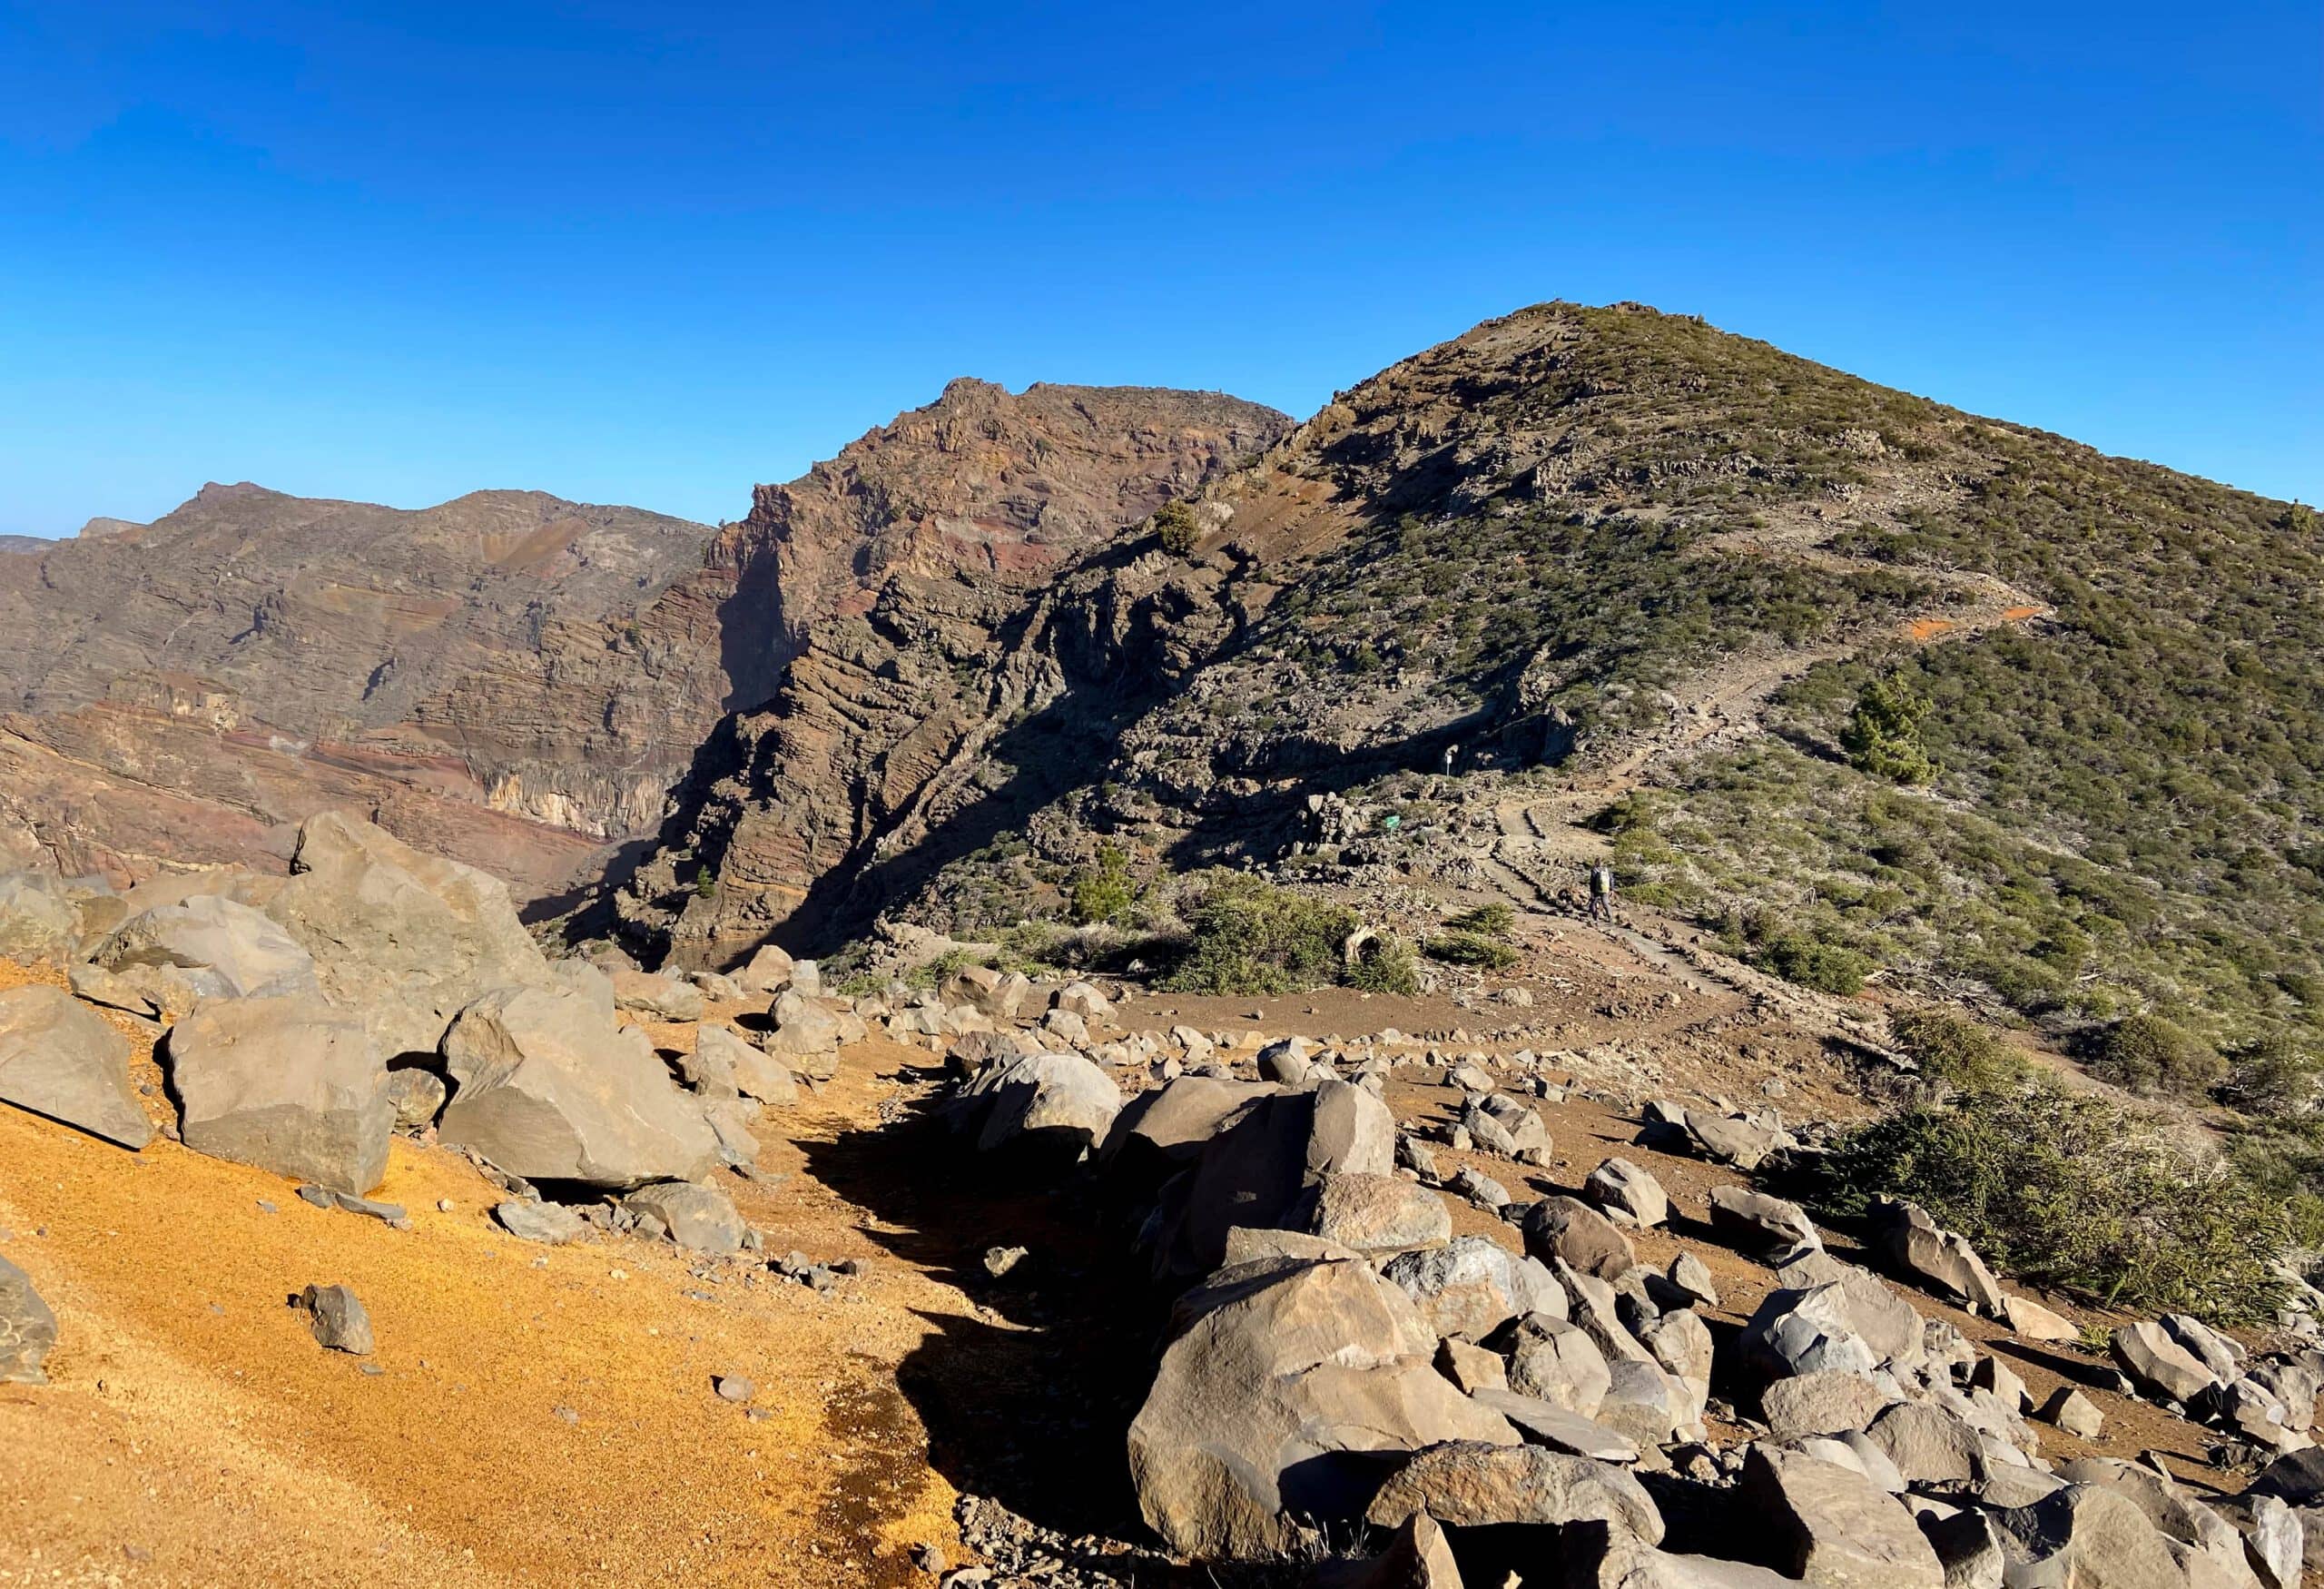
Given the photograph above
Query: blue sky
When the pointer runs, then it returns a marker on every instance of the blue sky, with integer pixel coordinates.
(653, 254)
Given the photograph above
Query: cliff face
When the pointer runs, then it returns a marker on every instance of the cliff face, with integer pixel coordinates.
(890, 596)
(515, 680)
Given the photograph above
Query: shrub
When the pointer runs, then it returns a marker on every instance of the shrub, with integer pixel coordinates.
(2147, 1055)
(1469, 949)
(1493, 921)
(1176, 523)
(1102, 891)
(2070, 1190)
(1385, 965)
(1249, 937)
(1957, 1051)
(2277, 1075)
(1882, 736)
(1828, 968)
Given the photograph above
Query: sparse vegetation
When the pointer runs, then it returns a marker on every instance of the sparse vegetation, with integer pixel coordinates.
(1955, 1052)
(1103, 890)
(2148, 1055)
(1882, 736)
(2073, 1191)
(1176, 527)
(1469, 949)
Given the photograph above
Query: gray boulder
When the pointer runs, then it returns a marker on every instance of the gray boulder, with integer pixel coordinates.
(1471, 1286)
(1053, 1105)
(227, 949)
(59, 1058)
(2087, 1534)
(1626, 1193)
(1929, 1444)
(1285, 1383)
(722, 1060)
(549, 1223)
(1725, 1139)
(1912, 1249)
(546, 1089)
(768, 971)
(407, 938)
(805, 1037)
(1569, 1230)
(2157, 1365)
(1766, 1227)
(1545, 1423)
(1160, 1132)
(417, 1096)
(1832, 1527)
(289, 1085)
(1378, 1215)
(1288, 1061)
(1480, 1485)
(1854, 1324)
(1500, 1124)
(1257, 1168)
(2074, 1412)
(28, 1328)
(700, 1219)
(1559, 1363)
(1825, 1402)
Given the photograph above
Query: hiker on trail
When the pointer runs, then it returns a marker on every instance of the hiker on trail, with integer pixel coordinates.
(1601, 891)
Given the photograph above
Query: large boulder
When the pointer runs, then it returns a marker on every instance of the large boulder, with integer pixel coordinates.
(2159, 1366)
(1160, 1132)
(1853, 1323)
(1569, 1231)
(1477, 1484)
(1825, 1402)
(1378, 1215)
(59, 1058)
(292, 1084)
(806, 1035)
(2088, 1534)
(1053, 1105)
(724, 1065)
(1559, 1363)
(38, 918)
(227, 949)
(1912, 1247)
(28, 1328)
(651, 994)
(407, 938)
(1501, 1124)
(1832, 1527)
(1286, 1386)
(1626, 1193)
(1472, 1286)
(546, 1087)
(1768, 1228)
(1257, 1168)
(768, 971)
(1728, 1140)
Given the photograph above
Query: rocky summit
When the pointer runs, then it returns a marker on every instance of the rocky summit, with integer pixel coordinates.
(1622, 960)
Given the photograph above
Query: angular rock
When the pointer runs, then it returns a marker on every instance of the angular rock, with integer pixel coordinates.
(727, 1061)
(1475, 1485)
(1378, 1215)
(1544, 1423)
(1825, 1402)
(60, 1059)
(1766, 1227)
(1929, 1444)
(1472, 1367)
(407, 938)
(2074, 1412)
(1287, 1061)
(1083, 999)
(1727, 1140)
(28, 1328)
(1854, 1323)
(1258, 1166)
(289, 1084)
(700, 1219)
(1835, 1528)
(1690, 1276)
(806, 1036)
(226, 948)
(767, 972)
(417, 1096)
(1274, 1401)
(1417, 1557)
(664, 998)
(1569, 1230)
(38, 920)
(2029, 1320)
(1464, 1290)
(337, 1318)
(1626, 1192)
(1473, 1185)
(2087, 1534)
(2157, 1365)
(546, 1089)
(1500, 1124)
(1160, 1132)
(1054, 1106)
(1968, 1544)
(1559, 1363)
(1912, 1249)
(550, 1223)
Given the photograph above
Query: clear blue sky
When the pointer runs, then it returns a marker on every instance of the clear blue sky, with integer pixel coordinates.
(653, 253)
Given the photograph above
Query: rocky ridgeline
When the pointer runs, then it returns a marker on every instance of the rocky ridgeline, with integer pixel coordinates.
(1338, 1367)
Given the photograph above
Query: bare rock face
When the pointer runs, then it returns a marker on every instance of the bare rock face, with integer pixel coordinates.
(59, 1058)
(895, 600)
(544, 1086)
(1274, 1399)
(289, 1085)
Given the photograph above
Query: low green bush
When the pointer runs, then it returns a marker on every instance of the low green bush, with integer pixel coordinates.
(1492, 921)
(1956, 1051)
(1385, 965)
(2070, 1190)
(1176, 523)
(1828, 968)
(1102, 890)
(1245, 936)
(1469, 949)
(2148, 1055)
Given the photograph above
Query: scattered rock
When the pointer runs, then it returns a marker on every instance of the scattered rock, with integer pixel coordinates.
(1626, 1192)
(664, 998)
(700, 1219)
(1912, 1249)
(1766, 1227)
(1833, 1526)
(1474, 1484)
(338, 1319)
(417, 1096)
(733, 1387)
(1001, 1260)
(2032, 1321)
(1569, 1231)
(1727, 1140)
(2157, 1365)
(545, 1222)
